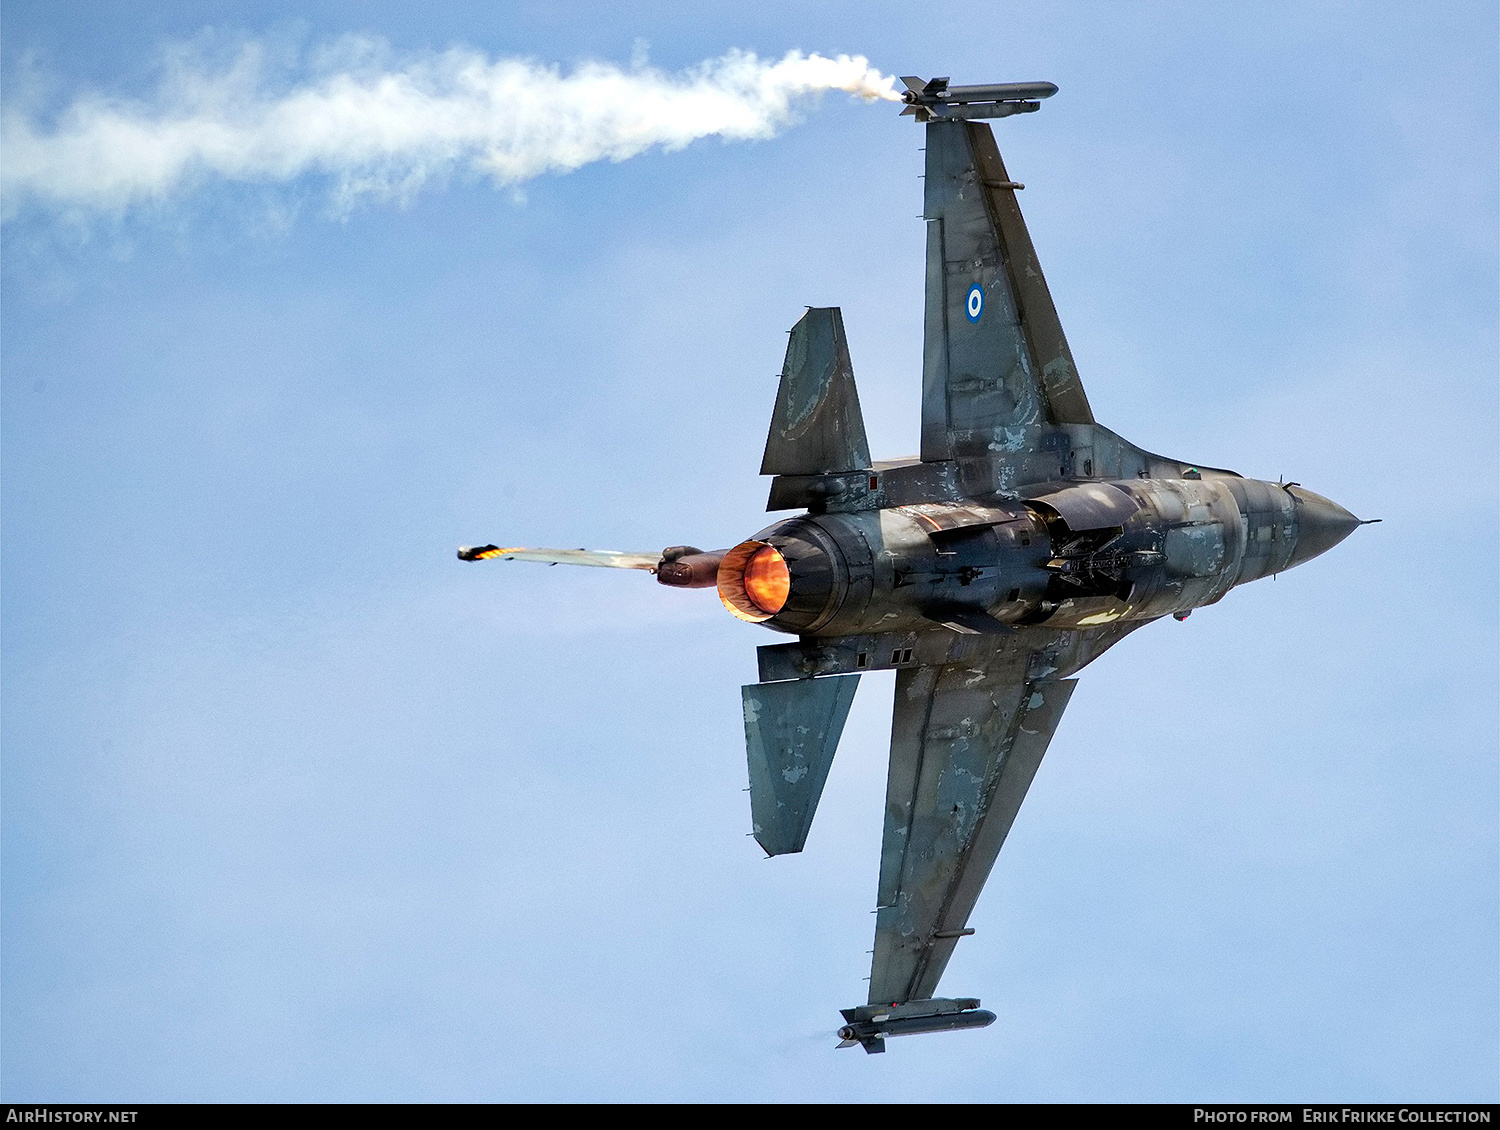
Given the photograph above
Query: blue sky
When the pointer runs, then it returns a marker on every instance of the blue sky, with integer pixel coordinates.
(298, 807)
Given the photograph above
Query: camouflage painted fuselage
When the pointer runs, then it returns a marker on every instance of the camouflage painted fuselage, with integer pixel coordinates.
(1073, 555)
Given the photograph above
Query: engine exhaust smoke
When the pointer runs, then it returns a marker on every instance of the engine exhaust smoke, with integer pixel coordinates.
(384, 127)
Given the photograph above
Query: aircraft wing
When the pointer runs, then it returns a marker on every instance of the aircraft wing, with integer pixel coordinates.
(966, 740)
(994, 356)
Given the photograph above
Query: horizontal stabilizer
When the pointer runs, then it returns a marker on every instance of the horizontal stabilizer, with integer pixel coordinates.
(791, 732)
(604, 558)
(817, 428)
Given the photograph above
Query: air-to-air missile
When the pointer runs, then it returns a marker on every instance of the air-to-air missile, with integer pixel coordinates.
(934, 100)
(1023, 541)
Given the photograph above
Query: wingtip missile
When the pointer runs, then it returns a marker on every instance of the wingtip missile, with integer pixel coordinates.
(933, 99)
(869, 1025)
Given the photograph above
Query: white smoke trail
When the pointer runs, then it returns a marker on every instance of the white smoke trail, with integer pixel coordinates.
(385, 131)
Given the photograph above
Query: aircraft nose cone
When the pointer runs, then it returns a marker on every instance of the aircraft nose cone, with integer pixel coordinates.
(1321, 525)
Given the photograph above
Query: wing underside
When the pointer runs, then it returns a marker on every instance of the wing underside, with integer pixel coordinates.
(996, 365)
(966, 740)
(967, 736)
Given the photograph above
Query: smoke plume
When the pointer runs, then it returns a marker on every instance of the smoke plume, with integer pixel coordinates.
(378, 127)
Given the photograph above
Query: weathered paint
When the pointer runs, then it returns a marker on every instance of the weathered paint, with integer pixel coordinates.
(791, 732)
(1024, 541)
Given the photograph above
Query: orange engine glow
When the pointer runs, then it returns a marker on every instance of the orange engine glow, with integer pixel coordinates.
(767, 581)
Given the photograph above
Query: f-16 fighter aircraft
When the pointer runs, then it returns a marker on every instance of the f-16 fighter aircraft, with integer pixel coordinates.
(1024, 541)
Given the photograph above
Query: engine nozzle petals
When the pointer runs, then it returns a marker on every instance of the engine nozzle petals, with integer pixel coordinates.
(767, 580)
(733, 589)
(789, 577)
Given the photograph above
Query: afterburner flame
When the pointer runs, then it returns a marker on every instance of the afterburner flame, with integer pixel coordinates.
(734, 581)
(767, 581)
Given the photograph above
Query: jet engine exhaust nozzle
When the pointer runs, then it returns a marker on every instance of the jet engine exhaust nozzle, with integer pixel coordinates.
(754, 581)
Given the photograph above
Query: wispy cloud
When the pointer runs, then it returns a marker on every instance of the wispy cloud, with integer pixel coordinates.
(383, 127)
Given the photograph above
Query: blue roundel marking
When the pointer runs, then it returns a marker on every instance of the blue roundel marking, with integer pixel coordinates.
(974, 304)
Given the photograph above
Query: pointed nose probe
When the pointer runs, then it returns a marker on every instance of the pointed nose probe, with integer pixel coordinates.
(1321, 525)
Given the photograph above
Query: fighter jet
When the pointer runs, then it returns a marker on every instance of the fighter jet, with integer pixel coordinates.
(1021, 543)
